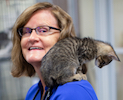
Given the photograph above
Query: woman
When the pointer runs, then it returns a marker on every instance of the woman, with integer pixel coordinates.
(35, 31)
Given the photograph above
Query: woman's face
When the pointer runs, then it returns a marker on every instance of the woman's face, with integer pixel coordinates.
(41, 43)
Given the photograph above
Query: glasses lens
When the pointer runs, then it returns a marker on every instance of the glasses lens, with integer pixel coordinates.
(25, 31)
(42, 30)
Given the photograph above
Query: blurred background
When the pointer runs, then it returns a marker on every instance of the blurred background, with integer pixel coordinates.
(99, 19)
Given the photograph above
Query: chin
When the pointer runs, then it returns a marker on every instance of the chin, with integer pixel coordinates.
(34, 61)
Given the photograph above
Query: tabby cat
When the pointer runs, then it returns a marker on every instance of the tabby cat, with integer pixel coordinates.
(65, 60)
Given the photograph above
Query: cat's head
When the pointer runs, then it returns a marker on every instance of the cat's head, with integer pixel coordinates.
(105, 54)
(104, 60)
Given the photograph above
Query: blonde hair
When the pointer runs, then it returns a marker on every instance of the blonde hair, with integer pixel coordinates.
(20, 65)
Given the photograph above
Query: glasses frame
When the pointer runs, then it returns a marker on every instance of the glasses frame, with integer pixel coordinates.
(50, 27)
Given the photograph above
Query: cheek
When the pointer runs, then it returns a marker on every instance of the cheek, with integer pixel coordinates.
(51, 41)
(23, 40)
(23, 45)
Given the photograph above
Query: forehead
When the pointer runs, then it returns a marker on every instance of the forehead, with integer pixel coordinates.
(42, 17)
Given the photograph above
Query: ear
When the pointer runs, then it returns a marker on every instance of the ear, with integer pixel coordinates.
(106, 49)
(114, 56)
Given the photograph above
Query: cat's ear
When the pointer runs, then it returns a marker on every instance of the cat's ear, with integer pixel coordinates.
(103, 60)
(114, 56)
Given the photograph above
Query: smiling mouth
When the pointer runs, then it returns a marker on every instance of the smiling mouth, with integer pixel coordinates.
(35, 48)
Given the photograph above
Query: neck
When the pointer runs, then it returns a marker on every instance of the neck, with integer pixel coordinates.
(37, 69)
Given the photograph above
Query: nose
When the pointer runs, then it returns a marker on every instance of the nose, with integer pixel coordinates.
(33, 37)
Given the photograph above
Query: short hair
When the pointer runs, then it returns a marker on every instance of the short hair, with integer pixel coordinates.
(20, 65)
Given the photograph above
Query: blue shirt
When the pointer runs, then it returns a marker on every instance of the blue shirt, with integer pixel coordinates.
(78, 90)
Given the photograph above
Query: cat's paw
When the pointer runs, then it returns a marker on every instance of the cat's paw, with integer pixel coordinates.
(78, 77)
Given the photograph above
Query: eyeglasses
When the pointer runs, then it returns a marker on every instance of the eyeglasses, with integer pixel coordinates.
(40, 30)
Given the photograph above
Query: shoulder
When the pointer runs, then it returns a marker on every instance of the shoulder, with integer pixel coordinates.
(32, 92)
(75, 90)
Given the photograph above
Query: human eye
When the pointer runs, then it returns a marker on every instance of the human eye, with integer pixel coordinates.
(26, 30)
(42, 30)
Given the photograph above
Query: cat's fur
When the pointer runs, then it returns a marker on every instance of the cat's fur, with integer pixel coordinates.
(64, 61)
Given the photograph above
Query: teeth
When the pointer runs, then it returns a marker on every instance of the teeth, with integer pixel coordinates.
(34, 48)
